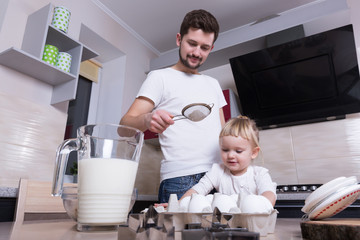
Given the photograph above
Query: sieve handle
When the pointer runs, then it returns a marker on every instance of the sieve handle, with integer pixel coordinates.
(178, 117)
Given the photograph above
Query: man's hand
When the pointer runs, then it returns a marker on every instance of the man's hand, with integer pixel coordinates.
(158, 121)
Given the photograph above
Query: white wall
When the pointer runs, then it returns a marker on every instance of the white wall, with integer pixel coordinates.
(111, 91)
(3, 8)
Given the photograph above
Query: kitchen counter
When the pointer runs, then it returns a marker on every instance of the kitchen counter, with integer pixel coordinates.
(293, 196)
(11, 192)
(8, 192)
(66, 229)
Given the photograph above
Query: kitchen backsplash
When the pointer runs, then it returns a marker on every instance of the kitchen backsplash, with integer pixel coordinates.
(29, 136)
(312, 153)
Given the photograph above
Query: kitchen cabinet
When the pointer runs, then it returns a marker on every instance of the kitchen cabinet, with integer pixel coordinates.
(150, 135)
(232, 108)
(28, 59)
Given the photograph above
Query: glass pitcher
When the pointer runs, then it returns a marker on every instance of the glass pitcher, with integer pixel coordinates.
(108, 158)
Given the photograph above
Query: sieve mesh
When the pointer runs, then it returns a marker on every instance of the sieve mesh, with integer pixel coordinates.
(195, 112)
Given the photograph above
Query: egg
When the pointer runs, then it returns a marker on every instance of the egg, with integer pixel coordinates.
(210, 198)
(184, 204)
(223, 202)
(198, 203)
(256, 204)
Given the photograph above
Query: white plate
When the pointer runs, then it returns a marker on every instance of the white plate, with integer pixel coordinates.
(325, 190)
(336, 203)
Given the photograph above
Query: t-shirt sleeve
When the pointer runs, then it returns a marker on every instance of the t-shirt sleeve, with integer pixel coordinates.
(209, 181)
(222, 101)
(263, 181)
(152, 87)
(220, 95)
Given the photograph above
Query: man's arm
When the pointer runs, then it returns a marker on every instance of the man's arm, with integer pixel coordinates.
(140, 116)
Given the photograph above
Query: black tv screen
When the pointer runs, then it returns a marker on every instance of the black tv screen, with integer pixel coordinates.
(312, 79)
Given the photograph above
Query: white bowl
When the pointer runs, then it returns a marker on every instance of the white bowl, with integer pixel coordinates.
(70, 201)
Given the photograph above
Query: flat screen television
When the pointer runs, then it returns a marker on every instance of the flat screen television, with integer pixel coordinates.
(311, 79)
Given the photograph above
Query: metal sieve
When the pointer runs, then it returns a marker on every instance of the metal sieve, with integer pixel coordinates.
(195, 112)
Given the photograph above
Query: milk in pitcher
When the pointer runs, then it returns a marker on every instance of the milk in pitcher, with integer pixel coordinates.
(104, 199)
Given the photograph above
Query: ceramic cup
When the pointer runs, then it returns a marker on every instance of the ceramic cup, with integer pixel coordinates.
(64, 61)
(61, 18)
(50, 54)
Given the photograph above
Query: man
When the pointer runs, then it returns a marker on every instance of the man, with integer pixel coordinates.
(189, 148)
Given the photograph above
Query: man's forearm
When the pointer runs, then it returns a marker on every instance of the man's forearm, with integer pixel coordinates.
(136, 122)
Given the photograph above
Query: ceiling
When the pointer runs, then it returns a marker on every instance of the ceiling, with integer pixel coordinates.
(156, 22)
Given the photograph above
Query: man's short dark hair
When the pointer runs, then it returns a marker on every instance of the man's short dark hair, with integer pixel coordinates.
(200, 19)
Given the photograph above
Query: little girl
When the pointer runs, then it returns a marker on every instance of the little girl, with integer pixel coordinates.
(239, 145)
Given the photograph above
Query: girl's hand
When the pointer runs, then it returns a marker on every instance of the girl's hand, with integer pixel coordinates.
(165, 205)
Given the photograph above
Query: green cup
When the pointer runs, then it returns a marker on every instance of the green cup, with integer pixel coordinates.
(50, 54)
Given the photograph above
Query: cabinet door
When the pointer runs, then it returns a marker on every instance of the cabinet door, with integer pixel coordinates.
(226, 109)
(150, 135)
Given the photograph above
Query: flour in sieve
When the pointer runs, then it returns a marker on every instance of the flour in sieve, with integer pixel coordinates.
(196, 116)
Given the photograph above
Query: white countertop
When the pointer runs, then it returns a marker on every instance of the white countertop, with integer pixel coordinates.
(11, 192)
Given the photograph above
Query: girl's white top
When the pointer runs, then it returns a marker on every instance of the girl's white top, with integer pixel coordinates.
(256, 181)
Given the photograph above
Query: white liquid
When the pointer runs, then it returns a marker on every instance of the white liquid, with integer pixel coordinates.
(104, 190)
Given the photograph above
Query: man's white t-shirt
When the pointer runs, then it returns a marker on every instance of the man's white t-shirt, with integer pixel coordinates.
(256, 181)
(188, 147)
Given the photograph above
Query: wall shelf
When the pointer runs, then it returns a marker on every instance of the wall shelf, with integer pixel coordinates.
(88, 53)
(28, 59)
(25, 63)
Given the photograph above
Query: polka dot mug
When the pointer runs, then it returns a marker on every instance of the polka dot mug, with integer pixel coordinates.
(50, 54)
(61, 19)
(64, 61)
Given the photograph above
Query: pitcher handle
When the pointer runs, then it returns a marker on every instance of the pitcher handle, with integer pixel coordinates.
(62, 156)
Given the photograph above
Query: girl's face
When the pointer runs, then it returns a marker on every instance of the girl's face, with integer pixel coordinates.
(237, 154)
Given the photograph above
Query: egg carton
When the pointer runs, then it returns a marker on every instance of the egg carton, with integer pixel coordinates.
(257, 222)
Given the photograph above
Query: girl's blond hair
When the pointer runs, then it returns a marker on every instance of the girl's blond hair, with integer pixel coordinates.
(242, 126)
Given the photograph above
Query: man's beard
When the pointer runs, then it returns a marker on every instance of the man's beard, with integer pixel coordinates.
(186, 63)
